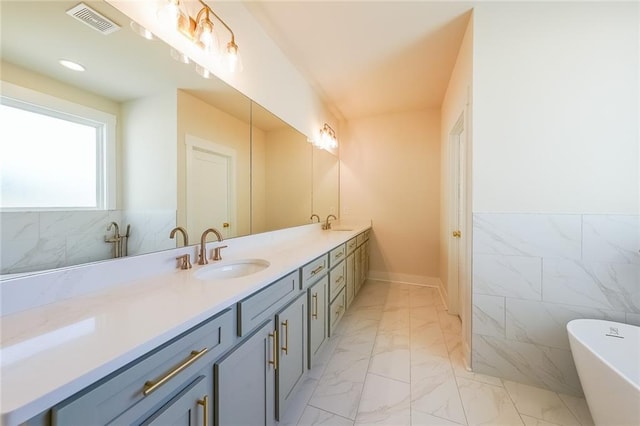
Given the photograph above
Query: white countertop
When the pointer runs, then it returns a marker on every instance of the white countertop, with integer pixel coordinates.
(50, 352)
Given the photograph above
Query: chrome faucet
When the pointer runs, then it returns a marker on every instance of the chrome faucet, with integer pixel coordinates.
(185, 236)
(314, 215)
(327, 224)
(202, 257)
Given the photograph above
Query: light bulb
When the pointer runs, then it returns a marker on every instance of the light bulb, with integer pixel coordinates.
(169, 14)
(234, 61)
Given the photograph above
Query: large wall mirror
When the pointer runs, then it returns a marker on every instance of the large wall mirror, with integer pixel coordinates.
(185, 151)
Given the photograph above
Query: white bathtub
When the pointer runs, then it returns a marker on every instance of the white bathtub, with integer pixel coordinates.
(607, 357)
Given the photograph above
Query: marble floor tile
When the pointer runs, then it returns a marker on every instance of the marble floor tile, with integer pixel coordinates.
(313, 416)
(396, 359)
(419, 418)
(540, 403)
(579, 408)
(384, 402)
(533, 421)
(437, 394)
(487, 405)
(296, 406)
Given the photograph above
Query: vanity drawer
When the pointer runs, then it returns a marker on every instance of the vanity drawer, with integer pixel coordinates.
(337, 255)
(337, 309)
(351, 245)
(337, 280)
(362, 237)
(256, 308)
(160, 374)
(314, 270)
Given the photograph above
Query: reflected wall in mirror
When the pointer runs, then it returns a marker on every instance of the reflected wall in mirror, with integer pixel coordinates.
(281, 173)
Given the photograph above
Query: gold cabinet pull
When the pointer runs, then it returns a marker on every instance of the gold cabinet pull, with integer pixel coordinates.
(339, 255)
(285, 348)
(314, 315)
(340, 279)
(205, 405)
(457, 234)
(318, 269)
(225, 225)
(150, 386)
(274, 352)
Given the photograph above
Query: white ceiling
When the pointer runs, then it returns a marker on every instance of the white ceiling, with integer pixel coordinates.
(369, 57)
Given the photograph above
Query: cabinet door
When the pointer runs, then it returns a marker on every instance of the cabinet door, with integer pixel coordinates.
(358, 268)
(351, 280)
(317, 317)
(189, 407)
(244, 381)
(292, 354)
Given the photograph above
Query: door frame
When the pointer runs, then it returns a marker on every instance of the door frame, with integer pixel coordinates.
(193, 143)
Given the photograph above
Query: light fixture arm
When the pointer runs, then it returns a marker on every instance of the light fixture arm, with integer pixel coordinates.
(209, 10)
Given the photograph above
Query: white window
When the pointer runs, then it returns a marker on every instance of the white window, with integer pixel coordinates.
(54, 155)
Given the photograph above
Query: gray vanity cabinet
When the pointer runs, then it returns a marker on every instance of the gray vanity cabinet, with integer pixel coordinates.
(292, 353)
(350, 287)
(318, 301)
(245, 381)
(189, 407)
(156, 381)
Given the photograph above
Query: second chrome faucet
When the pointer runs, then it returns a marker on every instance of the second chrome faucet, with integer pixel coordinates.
(202, 257)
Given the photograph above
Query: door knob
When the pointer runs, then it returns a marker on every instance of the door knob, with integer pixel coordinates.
(457, 234)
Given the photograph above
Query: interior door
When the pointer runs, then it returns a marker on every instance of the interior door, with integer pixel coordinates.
(210, 187)
(459, 276)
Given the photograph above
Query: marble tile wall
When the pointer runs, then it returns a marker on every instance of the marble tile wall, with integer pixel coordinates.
(45, 240)
(33, 241)
(533, 273)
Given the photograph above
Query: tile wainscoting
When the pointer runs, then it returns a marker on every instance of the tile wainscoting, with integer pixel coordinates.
(53, 239)
(533, 273)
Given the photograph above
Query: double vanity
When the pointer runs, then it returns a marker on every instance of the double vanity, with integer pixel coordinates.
(224, 343)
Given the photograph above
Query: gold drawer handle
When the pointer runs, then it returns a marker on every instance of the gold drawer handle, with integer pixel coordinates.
(315, 306)
(340, 279)
(274, 361)
(205, 405)
(340, 254)
(285, 348)
(318, 269)
(150, 386)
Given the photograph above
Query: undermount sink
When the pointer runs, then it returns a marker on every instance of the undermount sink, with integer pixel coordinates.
(232, 269)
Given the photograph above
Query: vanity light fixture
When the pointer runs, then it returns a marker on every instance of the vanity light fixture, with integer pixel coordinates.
(200, 30)
(327, 139)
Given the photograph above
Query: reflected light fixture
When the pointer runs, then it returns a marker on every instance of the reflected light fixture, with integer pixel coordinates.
(327, 139)
(200, 30)
(71, 65)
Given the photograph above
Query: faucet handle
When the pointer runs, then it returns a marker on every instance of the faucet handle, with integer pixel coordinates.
(185, 261)
(216, 253)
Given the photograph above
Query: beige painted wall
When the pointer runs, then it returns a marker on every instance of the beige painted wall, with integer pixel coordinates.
(556, 107)
(258, 181)
(288, 179)
(390, 172)
(197, 118)
(456, 101)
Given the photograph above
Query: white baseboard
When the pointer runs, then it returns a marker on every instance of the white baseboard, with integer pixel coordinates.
(404, 278)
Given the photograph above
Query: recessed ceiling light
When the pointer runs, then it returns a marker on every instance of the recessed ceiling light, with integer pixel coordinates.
(71, 65)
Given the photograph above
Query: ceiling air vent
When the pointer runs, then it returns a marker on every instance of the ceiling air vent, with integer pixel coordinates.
(95, 20)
